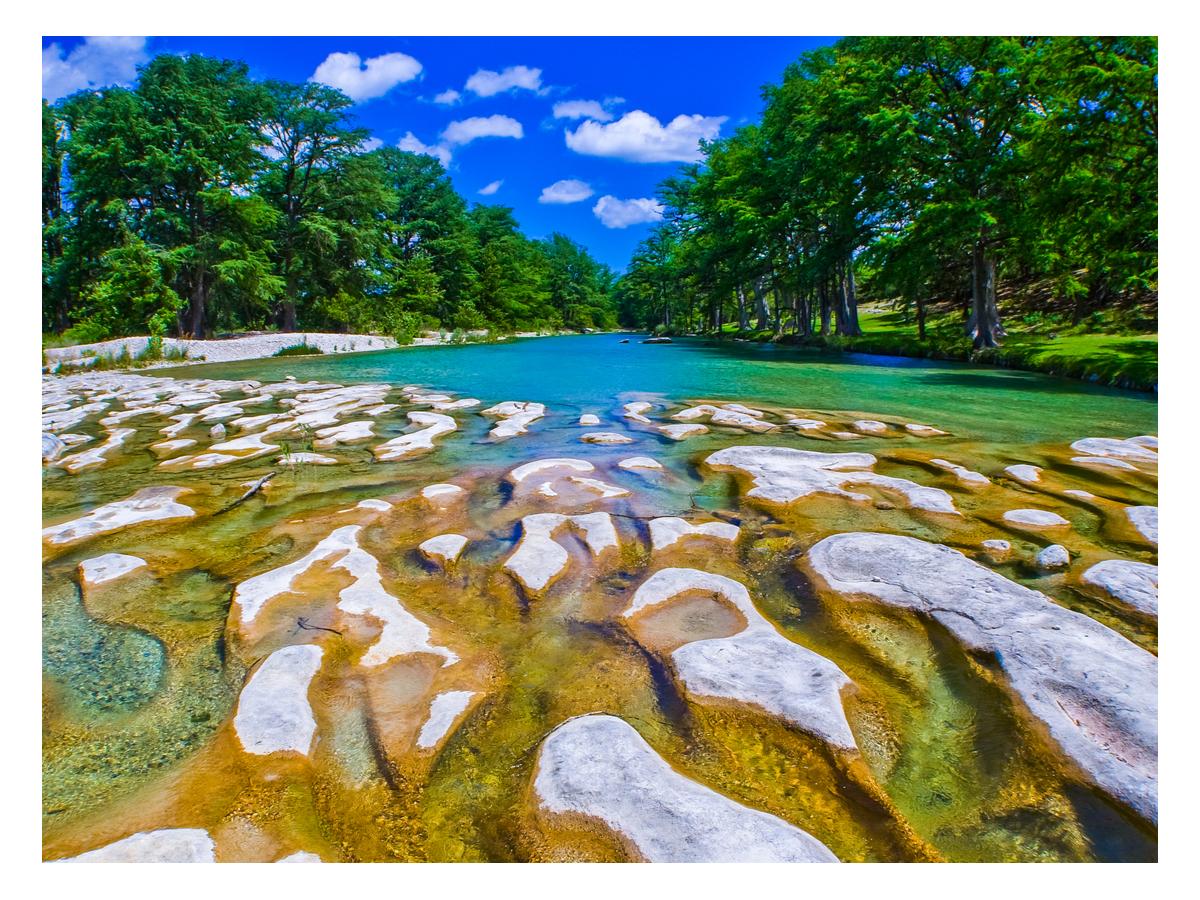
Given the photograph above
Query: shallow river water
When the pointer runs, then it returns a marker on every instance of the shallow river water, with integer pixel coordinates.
(292, 674)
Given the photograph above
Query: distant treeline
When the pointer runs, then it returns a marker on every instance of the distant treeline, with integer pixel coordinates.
(202, 200)
(918, 169)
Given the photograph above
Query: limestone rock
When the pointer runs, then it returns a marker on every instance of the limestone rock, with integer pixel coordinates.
(668, 530)
(1133, 583)
(1023, 472)
(1036, 519)
(633, 463)
(1145, 520)
(1115, 447)
(962, 473)
(444, 710)
(599, 766)
(108, 567)
(167, 845)
(1055, 556)
(273, 713)
(605, 437)
(444, 549)
(682, 432)
(1096, 692)
(152, 504)
(589, 419)
(539, 559)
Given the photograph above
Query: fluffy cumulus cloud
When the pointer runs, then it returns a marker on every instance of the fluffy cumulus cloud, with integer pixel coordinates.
(371, 143)
(447, 97)
(413, 144)
(615, 213)
(569, 190)
(582, 109)
(487, 83)
(488, 189)
(361, 80)
(639, 137)
(97, 62)
(467, 130)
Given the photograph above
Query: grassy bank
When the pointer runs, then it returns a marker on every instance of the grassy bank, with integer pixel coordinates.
(1127, 360)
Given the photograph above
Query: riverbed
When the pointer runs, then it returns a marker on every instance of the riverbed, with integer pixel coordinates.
(300, 672)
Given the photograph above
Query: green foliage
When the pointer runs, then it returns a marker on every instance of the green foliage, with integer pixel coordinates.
(203, 200)
(912, 168)
(302, 349)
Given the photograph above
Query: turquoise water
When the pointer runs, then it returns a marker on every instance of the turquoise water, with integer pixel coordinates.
(588, 372)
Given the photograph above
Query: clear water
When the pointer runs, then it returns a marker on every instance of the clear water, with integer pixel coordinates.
(141, 678)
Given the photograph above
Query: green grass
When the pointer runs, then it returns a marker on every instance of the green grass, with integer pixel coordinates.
(1108, 356)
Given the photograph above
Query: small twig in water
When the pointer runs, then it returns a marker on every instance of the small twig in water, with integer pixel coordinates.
(303, 623)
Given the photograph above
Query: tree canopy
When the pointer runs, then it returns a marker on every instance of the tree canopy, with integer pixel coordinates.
(202, 200)
(918, 169)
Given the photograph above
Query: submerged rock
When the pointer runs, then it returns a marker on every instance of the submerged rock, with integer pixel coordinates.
(599, 766)
(152, 504)
(1103, 462)
(784, 475)
(1133, 583)
(307, 459)
(439, 494)
(1096, 692)
(998, 550)
(923, 430)
(869, 426)
(273, 713)
(731, 416)
(97, 456)
(167, 845)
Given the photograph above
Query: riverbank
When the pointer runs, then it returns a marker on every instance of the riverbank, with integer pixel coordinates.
(1127, 361)
(142, 352)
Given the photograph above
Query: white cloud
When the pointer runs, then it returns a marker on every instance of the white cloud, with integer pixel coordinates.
(614, 213)
(371, 143)
(447, 97)
(582, 109)
(639, 137)
(489, 189)
(97, 62)
(467, 130)
(569, 190)
(413, 144)
(487, 83)
(361, 80)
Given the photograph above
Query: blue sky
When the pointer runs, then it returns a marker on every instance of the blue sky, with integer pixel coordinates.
(468, 99)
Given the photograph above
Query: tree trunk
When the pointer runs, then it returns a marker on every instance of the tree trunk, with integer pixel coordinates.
(743, 316)
(760, 304)
(920, 318)
(983, 326)
(826, 307)
(197, 311)
(851, 296)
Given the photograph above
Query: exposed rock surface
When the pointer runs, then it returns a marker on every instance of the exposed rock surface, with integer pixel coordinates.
(421, 441)
(521, 472)
(589, 419)
(599, 766)
(1145, 520)
(539, 559)
(273, 713)
(1055, 556)
(1115, 447)
(923, 430)
(108, 567)
(728, 416)
(151, 504)
(304, 458)
(757, 665)
(1095, 691)
(1024, 472)
(1133, 583)
(869, 426)
(515, 417)
(444, 710)
(633, 463)
(962, 473)
(53, 447)
(445, 548)
(784, 475)
(668, 530)
(605, 437)
(167, 845)
(682, 432)
(1035, 518)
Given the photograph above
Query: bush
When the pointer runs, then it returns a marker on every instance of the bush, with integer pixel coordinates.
(302, 349)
